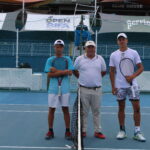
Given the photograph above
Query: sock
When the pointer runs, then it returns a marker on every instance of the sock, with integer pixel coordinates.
(137, 129)
(67, 129)
(122, 128)
(51, 129)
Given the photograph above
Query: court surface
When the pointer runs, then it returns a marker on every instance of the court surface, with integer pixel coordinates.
(23, 124)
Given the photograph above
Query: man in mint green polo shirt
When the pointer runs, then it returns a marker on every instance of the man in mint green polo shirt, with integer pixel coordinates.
(54, 99)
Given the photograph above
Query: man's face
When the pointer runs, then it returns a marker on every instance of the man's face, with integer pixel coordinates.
(122, 42)
(90, 50)
(58, 49)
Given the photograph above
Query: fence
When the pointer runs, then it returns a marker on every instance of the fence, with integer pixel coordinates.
(46, 49)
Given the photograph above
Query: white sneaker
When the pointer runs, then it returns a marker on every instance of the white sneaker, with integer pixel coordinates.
(139, 137)
(121, 135)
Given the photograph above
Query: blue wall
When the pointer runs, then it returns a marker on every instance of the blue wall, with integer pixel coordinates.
(37, 62)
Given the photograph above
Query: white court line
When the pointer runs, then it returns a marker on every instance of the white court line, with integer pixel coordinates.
(23, 105)
(57, 148)
(30, 147)
(29, 111)
(25, 111)
(37, 105)
(126, 107)
(111, 149)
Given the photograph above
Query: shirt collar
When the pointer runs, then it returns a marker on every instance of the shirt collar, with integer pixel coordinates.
(85, 56)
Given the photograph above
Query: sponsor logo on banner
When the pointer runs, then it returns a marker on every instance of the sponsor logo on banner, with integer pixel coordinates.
(58, 23)
(38, 22)
(133, 23)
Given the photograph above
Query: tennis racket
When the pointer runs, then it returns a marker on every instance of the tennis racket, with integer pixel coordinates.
(60, 63)
(127, 69)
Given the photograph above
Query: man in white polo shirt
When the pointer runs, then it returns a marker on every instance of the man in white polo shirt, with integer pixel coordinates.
(121, 85)
(89, 69)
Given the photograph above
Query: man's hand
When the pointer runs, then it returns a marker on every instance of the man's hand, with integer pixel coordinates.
(53, 69)
(129, 78)
(114, 91)
(68, 72)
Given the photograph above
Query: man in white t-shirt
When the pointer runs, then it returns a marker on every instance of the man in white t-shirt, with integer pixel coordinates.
(121, 85)
(89, 69)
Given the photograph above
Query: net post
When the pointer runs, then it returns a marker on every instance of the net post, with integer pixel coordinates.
(79, 121)
(17, 47)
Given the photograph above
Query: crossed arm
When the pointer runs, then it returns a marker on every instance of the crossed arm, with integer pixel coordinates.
(57, 73)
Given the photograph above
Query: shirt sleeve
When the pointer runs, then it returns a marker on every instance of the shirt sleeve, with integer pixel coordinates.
(111, 61)
(103, 64)
(137, 58)
(76, 63)
(48, 65)
(70, 64)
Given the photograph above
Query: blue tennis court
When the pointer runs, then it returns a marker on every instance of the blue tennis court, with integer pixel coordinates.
(23, 121)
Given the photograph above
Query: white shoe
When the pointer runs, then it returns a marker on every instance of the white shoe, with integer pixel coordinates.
(121, 135)
(139, 137)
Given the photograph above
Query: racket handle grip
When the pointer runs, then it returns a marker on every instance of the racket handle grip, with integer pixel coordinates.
(133, 91)
(59, 90)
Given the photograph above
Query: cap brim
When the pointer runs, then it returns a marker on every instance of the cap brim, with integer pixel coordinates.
(121, 36)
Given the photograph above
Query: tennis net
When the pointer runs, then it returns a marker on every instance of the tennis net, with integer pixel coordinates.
(76, 124)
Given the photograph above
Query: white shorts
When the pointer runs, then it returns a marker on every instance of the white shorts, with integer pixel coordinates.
(55, 101)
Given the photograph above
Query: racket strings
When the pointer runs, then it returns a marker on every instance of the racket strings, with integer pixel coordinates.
(126, 67)
(60, 63)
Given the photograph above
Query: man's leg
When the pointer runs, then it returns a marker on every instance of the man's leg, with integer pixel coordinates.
(136, 114)
(95, 107)
(66, 117)
(121, 114)
(85, 98)
(121, 97)
(137, 120)
(50, 133)
(64, 102)
(121, 117)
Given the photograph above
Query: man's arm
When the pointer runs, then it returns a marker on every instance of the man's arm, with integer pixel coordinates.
(112, 79)
(103, 66)
(76, 73)
(103, 73)
(137, 73)
(57, 73)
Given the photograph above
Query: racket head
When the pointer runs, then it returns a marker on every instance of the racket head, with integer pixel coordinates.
(60, 63)
(126, 67)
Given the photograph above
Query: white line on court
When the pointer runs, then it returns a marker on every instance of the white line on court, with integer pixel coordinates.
(29, 111)
(111, 149)
(30, 147)
(24, 111)
(37, 105)
(126, 107)
(57, 148)
(23, 105)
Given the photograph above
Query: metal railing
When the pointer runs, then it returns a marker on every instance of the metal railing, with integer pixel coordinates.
(46, 49)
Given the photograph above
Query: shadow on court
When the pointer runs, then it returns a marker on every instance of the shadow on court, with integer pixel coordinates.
(23, 124)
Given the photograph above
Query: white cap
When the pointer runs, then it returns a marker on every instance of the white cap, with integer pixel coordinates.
(90, 43)
(122, 35)
(59, 42)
